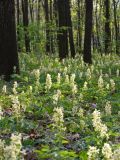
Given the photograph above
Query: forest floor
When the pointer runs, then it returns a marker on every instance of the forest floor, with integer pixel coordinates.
(62, 109)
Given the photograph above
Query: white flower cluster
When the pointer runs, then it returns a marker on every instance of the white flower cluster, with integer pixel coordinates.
(1, 113)
(98, 125)
(100, 82)
(58, 78)
(12, 151)
(101, 72)
(37, 76)
(48, 82)
(74, 89)
(107, 151)
(92, 68)
(93, 153)
(74, 110)
(118, 73)
(1, 150)
(15, 105)
(112, 83)
(72, 79)
(81, 97)
(56, 97)
(30, 89)
(67, 78)
(82, 62)
(58, 119)
(116, 154)
(88, 73)
(85, 86)
(72, 84)
(108, 86)
(65, 71)
(80, 113)
(15, 85)
(4, 89)
(80, 74)
(108, 108)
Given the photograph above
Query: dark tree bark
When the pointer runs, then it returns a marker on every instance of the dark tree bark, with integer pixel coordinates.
(55, 16)
(88, 32)
(26, 23)
(46, 8)
(38, 14)
(63, 33)
(107, 27)
(97, 27)
(51, 30)
(70, 29)
(18, 12)
(116, 27)
(79, 37)
(31, 3)
(8, 45)
(18, 23)
(55, 11)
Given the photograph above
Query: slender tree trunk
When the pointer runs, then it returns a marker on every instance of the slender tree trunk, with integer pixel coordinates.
(97, 27)
(70, 29)
(18, 23)
(116, 27)
(18, 12)
(51, 30)
(107, 27)
(79, 37)
(38, 14)
(26, 23)
(46, 8)
(55, 16)
(63, 33)
(31, 5)
(8, 44)
(88, 32)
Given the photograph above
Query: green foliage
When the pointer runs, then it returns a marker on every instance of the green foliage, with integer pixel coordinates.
(29, 108)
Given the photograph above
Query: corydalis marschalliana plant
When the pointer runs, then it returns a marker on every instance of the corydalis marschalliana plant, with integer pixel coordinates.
(11, 152)
(98, 125)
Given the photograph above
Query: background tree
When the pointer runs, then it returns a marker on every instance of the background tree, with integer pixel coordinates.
(63, 33)
(70, 29)
(88, 32)
(117, 41)
(47, 21)
(107, 27)
(8, 45)
(45, 25)
(26, 24)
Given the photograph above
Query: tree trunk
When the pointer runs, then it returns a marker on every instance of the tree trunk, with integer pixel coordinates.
(26, 23)
(88, 32)
(79, 28)
(18, 23)
(97, 28)
(107, 27)
(46, 8)
(55, 16)
(70, 29)
(116, 27)
(31, 5)
(38, 14)
(51, 30)
(8, 45)
(63, 33)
